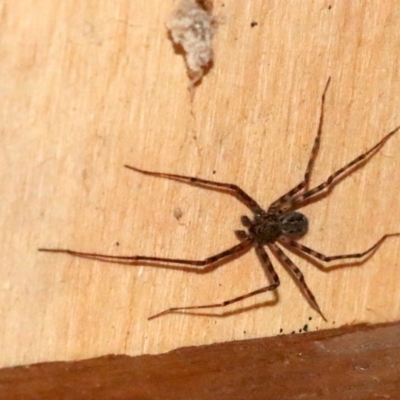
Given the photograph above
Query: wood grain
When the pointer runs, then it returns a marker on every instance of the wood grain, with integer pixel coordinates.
(90, 86)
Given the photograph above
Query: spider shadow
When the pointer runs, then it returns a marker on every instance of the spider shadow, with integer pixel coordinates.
(241, 309)
(326, 267)
(226, 314)
(322, 267)
(168, 265)
(205, 270)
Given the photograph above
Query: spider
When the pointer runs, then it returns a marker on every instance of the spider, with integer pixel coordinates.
(279, 225)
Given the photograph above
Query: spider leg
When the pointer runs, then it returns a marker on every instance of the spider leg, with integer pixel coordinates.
(267, 266)
(304, 249)
(298, 275)
(130, 260)
(332, 180)
(304, 183)
(229, 188)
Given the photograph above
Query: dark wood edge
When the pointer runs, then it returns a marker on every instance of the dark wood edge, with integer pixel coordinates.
(351, 362)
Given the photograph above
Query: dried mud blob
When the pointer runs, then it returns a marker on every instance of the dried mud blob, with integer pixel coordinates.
(192, 27)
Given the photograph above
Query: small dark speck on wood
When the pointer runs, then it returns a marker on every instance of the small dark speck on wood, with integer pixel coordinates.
(178, 213)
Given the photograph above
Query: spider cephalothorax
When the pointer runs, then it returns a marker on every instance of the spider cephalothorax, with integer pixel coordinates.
(277, 226)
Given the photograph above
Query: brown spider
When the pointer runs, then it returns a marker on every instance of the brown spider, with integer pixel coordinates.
(278, 224)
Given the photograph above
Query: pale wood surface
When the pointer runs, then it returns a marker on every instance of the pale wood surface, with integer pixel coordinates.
(89, 86)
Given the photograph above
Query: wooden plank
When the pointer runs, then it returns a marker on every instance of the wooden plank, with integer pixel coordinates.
(88, 86)
(357, 362)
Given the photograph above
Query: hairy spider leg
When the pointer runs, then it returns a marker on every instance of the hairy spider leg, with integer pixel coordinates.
(297, 201)
(127, 260)
(304, 249)
(314, 152)
(298, 275)
(267, 266)
(230, 188)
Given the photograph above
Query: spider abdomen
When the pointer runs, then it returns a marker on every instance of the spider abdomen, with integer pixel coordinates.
(293, 224)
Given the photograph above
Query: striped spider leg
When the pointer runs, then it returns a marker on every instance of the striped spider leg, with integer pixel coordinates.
(280, 225)
(298, 201)
(307, 176)
(268, 268)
